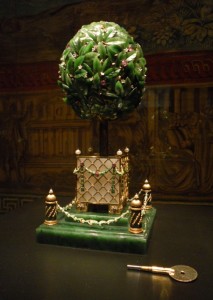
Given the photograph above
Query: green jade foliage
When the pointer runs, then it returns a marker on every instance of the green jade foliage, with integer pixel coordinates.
(102, 72)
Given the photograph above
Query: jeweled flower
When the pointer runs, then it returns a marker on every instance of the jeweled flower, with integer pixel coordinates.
(103, 82)
(124, 63)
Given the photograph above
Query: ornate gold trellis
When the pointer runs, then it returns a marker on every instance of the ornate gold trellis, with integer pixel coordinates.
(102, 181)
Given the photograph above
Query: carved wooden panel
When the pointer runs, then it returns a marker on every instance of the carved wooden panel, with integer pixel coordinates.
(172, 142)
(39, 32)
(38, 138)
(180, 68)
(174, 68)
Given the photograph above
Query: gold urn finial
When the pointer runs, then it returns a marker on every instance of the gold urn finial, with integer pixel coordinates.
(136, 202)
(146, 186)
(51, 197)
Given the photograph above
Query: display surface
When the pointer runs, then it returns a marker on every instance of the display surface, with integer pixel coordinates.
(182, 234)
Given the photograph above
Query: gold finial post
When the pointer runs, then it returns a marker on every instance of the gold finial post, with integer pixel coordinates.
(147, 194)
(50, 209)
(135, 223)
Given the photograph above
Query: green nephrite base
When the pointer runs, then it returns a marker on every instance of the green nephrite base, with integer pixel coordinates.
(114, 237)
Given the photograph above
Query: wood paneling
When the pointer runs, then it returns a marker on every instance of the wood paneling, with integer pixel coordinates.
(171, 142)
(164, 69)
(39, 135)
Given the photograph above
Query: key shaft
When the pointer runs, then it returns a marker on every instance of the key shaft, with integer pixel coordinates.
(153, 269)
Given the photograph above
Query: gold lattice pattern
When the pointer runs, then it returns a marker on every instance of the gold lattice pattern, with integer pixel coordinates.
(102, 180)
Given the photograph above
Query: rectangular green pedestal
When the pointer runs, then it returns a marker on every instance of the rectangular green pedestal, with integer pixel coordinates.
(115, 237)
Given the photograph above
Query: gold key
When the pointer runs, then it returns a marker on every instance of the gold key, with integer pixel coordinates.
(180, 272)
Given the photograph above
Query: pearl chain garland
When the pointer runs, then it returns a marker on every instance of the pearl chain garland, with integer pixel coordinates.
(89, 222)
(98, 173)
(147, 198)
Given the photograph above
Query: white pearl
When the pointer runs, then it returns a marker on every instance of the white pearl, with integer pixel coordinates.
(77, 152)
(119, 152)
(126, 150)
